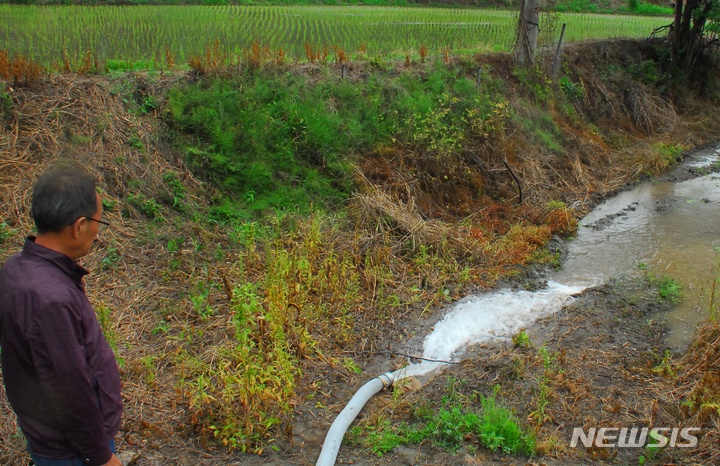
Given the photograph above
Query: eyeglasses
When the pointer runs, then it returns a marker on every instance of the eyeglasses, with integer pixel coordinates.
(103, 223)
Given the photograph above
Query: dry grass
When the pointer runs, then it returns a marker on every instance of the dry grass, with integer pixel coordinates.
(699, 389)
(415, 230)
(71, 117)
(20, 71)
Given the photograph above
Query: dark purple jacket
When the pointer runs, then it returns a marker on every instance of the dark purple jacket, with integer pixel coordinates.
(60, 374)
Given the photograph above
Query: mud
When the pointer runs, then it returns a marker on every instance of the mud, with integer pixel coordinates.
(608, 350)
(605, 347)
(606, 369)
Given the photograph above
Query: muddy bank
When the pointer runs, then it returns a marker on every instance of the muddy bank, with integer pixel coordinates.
(610, 365)
(605, 350)
(149, 268)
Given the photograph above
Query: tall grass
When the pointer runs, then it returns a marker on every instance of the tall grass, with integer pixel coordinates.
(44, 33)
(284, 142)
(301, 286)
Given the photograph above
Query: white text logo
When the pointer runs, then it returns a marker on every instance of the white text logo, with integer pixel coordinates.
(635, 437)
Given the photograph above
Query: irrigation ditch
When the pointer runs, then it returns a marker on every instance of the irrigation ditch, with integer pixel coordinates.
(197, 302)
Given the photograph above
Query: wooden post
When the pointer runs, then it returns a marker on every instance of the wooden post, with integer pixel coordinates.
(556, 60)
(343, 71)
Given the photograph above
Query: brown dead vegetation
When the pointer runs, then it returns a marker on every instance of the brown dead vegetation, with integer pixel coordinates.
(406, 197)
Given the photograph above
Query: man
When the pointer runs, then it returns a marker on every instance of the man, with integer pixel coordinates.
(60, 374)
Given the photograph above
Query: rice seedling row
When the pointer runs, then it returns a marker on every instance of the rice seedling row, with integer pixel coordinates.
(45, 33)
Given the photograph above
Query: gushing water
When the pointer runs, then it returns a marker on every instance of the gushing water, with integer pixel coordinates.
(670, 228)
(494, 316)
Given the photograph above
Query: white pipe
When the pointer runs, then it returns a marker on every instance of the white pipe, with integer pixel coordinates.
(334, 437)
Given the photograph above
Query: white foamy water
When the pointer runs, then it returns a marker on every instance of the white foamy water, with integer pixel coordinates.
(479, 319)
(706, 160)
(670, 227)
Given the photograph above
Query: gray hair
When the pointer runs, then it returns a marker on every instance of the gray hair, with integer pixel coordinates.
(61, 196)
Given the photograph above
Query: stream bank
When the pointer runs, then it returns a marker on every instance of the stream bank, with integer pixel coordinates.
(169, 279)
(606, 359)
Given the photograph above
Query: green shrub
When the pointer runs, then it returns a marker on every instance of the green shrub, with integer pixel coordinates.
(650, 9)
(646, 72)
(450, 427)
(287, 141)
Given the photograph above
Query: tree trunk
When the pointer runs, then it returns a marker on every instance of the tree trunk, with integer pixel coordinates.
(527, 32)
(687, 36)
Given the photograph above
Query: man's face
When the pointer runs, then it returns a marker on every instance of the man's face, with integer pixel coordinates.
(89, 230)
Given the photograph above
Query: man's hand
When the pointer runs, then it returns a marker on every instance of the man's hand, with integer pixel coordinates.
(114, 461)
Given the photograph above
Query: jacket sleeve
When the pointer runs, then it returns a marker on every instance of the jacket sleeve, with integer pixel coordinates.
(58, 336)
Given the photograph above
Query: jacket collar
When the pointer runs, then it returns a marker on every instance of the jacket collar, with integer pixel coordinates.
(74, 270)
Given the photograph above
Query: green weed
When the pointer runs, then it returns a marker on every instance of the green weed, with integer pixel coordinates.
(112, 257)
(571, 90)
(6, 232)
(178, 193)
(646, 72)
(104, 315)
(669, 154)
(665, 367)
(6, 102)
(199, 300)
(149, 207)
(149, 364)
(544, 390)
(577, 6)
(521, 339)
(136, 143)
(128, 65)
(500, 429)
(451, 426)
(669, 290)
(535, 83)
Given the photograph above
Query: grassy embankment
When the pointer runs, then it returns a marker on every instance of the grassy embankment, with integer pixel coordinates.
(273, 227)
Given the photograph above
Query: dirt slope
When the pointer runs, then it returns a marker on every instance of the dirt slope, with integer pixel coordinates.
(87, 118)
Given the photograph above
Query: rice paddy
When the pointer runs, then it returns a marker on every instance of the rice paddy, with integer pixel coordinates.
(46, 33)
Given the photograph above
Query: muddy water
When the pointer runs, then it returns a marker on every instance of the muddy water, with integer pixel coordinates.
(660, 228)
(663, 228)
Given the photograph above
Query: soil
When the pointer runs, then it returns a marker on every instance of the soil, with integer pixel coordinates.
(606, 345)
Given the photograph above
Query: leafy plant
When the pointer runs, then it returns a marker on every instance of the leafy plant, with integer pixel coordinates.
(244, 390)
(6, 101)
(178, 193)
(136, 143)
(666, 366)
(668, 154)
(544, 390)
(500, 429)
(451, 426)
(646, 72)
(112, 257)
(669, 290)
(521, 339)
(149, 207)
(104, 315)
(571, 90)
(5, 232)
(199, 300)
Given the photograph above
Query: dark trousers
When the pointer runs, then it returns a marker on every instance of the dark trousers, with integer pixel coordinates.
(77, 461)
